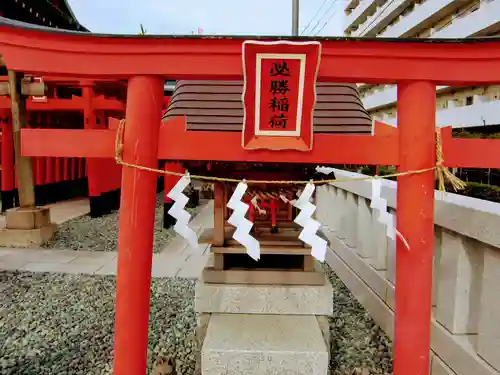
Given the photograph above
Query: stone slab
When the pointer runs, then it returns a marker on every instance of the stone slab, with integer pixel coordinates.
(109, 268)
(438, 367)
(264, 299)
(457, 351)
(44, 255)
(60, 267)
(200, 333)
(240, 344)
(488, 338)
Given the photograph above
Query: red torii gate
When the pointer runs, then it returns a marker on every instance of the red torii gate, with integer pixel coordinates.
(417, 66)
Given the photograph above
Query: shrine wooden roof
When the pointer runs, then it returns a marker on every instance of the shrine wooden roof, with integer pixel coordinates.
(217, 105)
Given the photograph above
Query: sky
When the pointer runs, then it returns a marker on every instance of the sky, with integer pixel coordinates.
(213, 17)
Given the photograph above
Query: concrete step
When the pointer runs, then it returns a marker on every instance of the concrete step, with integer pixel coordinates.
(264, 299)
(240, 344)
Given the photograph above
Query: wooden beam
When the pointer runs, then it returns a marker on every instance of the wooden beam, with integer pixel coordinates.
(469, 153)
(263, 277)
(24, 168)
(274, 248)
(284, 240)
(178, 144)
(327, 148)
(219, 58)
(219, 209)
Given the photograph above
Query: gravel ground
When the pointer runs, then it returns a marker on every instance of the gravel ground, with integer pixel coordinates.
(53, 324)
(358, 344)
(63, 324)
(101, 234)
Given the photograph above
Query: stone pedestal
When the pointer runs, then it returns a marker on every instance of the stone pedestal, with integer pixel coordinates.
(254, 344)
(27, 227)
(263, 329)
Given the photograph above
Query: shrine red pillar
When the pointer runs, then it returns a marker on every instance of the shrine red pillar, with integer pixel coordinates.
(415, 221)
(93, 165)
(137, 210)
(7, 158)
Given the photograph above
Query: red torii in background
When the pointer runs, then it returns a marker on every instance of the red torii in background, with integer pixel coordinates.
(90, 109)
(83, 104)
(416, 66)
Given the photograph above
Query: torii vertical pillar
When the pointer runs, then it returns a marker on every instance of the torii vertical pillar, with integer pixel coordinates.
(415, 221)
(137, 214)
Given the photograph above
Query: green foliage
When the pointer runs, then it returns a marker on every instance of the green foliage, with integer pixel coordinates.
(383, 170)
(366, 170)
(469, 135)
(481, 191)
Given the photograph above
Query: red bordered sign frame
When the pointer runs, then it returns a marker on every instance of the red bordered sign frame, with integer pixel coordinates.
(300, 137)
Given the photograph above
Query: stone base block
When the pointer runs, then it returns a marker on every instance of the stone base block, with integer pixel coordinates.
(27, 218)
(264, 299)
(240, 344)
(27, 237)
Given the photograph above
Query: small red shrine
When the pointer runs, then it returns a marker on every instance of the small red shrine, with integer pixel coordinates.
(417, 66)
(218, 106)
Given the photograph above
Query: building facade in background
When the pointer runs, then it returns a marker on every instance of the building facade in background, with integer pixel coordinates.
(460, 107)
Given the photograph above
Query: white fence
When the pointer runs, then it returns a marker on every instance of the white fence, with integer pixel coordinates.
(466, 285)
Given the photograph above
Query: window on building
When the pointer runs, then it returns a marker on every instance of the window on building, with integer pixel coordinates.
(469, 100)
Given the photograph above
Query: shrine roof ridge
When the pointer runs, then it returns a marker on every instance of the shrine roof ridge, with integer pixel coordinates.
(56, 31)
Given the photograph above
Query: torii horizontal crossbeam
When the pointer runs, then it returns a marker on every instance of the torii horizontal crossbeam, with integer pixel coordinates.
(444, 62)
(175, 143)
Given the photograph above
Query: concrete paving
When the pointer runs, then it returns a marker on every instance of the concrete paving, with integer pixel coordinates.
(61, 212)
(177, 259)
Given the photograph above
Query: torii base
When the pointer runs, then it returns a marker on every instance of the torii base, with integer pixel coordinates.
(27, 227)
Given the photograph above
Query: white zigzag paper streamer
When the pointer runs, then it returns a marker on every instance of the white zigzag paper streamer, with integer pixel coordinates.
(178, 212)
(242, 224)
(311, 226)
(380, 204)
